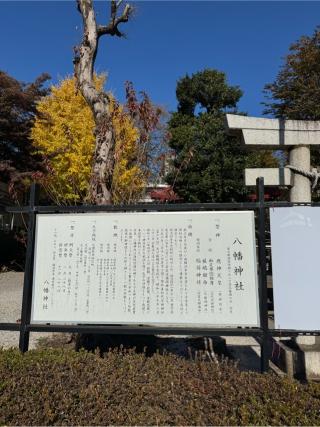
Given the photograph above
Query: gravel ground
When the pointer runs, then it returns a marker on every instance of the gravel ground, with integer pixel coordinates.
(245, 349)
(10, 309)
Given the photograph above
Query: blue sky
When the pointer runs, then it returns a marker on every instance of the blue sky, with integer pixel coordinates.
(165, 40)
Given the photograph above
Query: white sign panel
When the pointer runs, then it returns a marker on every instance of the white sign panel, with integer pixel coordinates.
(295, 236)
(152, 268)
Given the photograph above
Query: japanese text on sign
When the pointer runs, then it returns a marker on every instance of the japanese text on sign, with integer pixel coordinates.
(169, 268)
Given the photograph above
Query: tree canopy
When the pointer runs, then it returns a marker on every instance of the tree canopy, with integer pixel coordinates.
(18, 102)
(295, 93)
(63, 134)
(207, 89)
(208, 164)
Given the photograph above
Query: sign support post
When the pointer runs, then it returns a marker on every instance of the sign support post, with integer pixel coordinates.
(263, 276)
(28, 275)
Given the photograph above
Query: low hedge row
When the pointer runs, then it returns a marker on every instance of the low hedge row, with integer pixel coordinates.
(64, 387)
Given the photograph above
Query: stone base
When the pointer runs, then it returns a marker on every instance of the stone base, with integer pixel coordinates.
(298, 361)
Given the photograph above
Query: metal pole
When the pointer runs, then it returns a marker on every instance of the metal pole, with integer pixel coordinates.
(263, 292)
(28, 272)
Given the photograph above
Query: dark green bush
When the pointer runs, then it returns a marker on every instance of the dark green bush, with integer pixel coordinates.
(63, 387)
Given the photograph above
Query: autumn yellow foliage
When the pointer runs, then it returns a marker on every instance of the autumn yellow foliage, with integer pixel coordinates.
(63, 135)
(128, 179)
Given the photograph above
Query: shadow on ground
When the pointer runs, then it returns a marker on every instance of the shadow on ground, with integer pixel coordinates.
(186, 347)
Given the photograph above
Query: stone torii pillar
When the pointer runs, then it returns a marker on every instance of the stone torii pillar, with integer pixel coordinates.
(295, 136)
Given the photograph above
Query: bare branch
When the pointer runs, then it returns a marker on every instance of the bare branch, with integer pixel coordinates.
(112, 27)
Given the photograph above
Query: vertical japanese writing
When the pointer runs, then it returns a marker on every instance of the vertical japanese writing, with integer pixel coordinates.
(178, 268)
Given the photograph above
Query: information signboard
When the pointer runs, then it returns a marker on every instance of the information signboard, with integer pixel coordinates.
(295, 235)
(179, 268)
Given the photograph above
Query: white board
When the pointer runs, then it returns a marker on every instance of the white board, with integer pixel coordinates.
(186, 268)
(295, 234)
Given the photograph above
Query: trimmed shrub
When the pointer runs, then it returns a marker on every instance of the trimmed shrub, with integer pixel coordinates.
(64, 387)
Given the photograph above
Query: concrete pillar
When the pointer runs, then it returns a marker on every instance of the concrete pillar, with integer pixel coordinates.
(307, 340)
(301, 192)
(299, 157)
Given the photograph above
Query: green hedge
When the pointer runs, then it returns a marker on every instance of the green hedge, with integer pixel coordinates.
(63, 387)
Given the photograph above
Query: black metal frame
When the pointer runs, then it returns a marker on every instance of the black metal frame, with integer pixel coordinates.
(263, 334)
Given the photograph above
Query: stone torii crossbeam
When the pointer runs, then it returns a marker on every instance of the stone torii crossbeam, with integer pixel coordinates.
(296, 136)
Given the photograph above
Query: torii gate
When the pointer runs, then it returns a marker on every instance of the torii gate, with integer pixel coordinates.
(296, 136)
(293, 135)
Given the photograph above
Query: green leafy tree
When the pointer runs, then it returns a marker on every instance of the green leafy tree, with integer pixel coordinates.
(295, 94)
(208, 163)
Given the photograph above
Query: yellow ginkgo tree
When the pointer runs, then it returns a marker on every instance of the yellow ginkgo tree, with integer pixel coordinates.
(63, 133)
(129, 179)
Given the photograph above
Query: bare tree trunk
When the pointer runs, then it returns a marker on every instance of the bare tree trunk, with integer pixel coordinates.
(85, 54)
